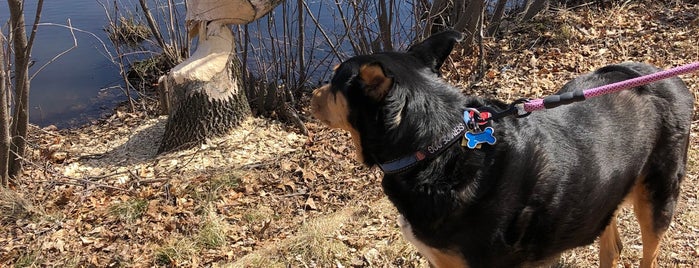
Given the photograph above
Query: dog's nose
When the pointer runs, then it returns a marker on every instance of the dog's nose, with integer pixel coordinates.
(317, 98)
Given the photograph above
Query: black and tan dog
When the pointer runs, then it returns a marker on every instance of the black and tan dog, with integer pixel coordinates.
(552, 181)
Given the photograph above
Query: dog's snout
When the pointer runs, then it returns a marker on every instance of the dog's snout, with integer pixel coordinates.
(317, 100)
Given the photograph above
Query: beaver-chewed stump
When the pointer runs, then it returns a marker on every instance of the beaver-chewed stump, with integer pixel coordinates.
(203, 95)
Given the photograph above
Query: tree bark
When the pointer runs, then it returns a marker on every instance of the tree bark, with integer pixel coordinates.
(497, 17)
(385, 19)
(206, 94)
(468, 18)
(533, 8)
(20, 120)
(4, 120)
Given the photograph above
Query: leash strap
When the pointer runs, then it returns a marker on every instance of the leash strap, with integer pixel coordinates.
(569, 97)
(520, 108)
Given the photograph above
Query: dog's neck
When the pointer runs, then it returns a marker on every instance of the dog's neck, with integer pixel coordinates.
(424, 129)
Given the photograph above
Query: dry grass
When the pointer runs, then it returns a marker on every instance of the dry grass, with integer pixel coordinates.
(333, 241)
(177, 250)
(212, 232)
(129, 210)
(128, 31)
(13, 206)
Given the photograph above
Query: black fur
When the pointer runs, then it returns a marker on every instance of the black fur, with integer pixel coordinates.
(551, 182)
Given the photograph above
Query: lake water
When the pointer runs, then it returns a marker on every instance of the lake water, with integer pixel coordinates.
(78, 86)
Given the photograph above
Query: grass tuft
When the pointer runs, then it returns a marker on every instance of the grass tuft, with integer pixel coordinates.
(14, 207)
(212, 234)
(316, 242)
(129, 210)
(128, 31)
(30, 259)
(178, 251)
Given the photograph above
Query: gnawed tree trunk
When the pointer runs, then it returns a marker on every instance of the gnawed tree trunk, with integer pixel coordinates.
(204, 95)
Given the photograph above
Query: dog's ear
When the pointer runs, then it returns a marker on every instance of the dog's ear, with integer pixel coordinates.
(377, 82)
(435, 49)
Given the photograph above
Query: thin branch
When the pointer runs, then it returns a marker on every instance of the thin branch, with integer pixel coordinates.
(154, 29)
(325, 36)
(75, 44)
(39, 7)
(104, 46)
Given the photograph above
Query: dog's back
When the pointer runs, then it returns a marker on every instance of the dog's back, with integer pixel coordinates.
(585, 158)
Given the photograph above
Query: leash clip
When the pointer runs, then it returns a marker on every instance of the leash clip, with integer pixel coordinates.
(515, 108)
(518, 105)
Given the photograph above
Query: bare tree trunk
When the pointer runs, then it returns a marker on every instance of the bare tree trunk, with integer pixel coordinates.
(385, 16)
(20, 119)
(497, 17)
(468, 19)
(301, 39)
(436, 10)
(533, 7)
(460, 15)
(4, 120)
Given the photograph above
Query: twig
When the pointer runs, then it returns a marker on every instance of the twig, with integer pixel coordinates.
(35, 25)
(264, 228)
(75, 44)
(83, 181)
(291, 195)
(98, 185)
(104, 46)
(154, 29)
(44, 131)
(149, 181)
(257, 165)
(325, 35)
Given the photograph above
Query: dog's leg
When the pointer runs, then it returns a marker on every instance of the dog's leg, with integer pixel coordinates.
(610, 245)
(435, 257)
(650, 234)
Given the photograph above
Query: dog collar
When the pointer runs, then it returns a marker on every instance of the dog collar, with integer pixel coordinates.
(434, 149)
(469, 130)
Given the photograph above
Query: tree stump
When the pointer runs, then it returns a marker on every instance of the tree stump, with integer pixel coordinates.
(204, 94)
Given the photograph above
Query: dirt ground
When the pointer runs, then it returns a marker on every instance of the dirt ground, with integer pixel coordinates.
(266, 196)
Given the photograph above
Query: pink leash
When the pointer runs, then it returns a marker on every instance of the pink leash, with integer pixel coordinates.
(538, 104)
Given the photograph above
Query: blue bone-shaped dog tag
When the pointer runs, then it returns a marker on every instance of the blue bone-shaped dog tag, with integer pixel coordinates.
(474, 139)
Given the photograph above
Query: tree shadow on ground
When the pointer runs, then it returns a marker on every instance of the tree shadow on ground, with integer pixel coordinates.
(140, 147)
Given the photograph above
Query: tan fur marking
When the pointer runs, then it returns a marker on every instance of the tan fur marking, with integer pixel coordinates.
(610, 245)
(333, 111)
(643, 208)
(377, 84)
(437, 258)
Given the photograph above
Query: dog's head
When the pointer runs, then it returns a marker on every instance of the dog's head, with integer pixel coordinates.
(378, 98)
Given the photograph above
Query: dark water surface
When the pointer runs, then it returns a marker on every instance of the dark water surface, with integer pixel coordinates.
(75, 87)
